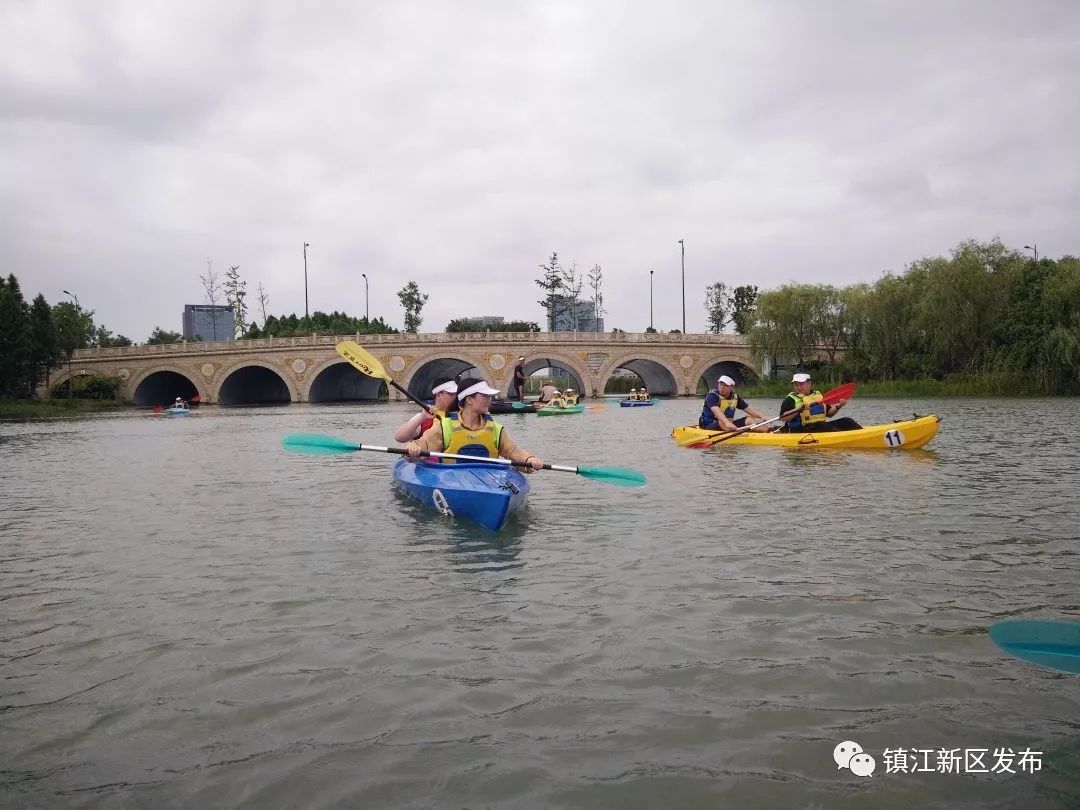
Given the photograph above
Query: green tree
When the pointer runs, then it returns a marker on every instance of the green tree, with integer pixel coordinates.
(15, 352)
(45, 353)
(744, 307)
(474, 325)
(551, 281)
(212, 286)
(412, 301)
(235, 293)
(161, 337)
(105, 339)
(74, 327)
(596, 283)
(573, 283)
(717, 306)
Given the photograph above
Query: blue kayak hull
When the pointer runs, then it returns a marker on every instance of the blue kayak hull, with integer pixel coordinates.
(482, 493)
(177, 411)
(635, 403)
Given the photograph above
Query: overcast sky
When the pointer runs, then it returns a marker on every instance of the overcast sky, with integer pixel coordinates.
(458, 144)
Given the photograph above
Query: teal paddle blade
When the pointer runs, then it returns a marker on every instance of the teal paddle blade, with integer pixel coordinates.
(316, 444)
(521, 406)
(1052, 644)
(613, 475)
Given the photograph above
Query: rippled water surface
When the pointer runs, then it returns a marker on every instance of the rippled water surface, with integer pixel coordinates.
(192, 617)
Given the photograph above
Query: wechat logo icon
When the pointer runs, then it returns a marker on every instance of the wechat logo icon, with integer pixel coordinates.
(850, 755)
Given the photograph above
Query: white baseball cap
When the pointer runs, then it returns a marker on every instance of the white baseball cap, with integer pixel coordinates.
(801, 377)
(726, 380)
(449, 387)
(477, 388)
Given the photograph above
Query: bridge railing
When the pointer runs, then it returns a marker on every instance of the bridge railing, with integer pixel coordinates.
(531, 338)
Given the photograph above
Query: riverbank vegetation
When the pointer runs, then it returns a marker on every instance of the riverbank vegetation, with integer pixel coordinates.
(985, 321)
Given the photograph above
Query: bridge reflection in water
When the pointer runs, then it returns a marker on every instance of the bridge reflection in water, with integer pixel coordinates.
(307, 369)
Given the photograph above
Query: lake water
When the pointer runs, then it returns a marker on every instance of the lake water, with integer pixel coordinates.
(192, 617)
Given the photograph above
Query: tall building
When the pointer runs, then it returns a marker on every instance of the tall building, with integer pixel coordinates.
(576, 316)
(212, 322)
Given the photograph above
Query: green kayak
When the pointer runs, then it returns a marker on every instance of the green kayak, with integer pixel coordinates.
(549, 411)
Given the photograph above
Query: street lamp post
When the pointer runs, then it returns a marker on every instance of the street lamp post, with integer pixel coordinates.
(650, 299)
(306, 245)
(682, 245)
(367, 316)
(1035, 249)
(71, 350)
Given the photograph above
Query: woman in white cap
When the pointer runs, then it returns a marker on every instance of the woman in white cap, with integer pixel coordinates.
(471, 432)
(721, 405)
(810, 410)
(445, 394)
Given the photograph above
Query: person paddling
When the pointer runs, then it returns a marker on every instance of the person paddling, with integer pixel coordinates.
(179, 403)
(721, 405)
(471, 432)
(548, 392)
(445, 394)
(811, 413)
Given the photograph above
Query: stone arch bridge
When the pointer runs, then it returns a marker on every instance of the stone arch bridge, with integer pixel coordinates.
(307, 369)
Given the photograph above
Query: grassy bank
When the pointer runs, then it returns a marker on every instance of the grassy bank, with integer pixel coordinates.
(973, 385)
(44, 408)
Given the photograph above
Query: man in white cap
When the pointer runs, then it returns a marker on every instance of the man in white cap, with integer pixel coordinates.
(445, 394)
(518, 385)
(471, 432)
(810, 412)
(721, 405)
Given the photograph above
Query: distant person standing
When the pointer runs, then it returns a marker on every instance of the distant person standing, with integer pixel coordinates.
(518, 384)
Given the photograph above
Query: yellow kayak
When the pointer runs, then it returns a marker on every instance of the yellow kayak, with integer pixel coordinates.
(908, 434)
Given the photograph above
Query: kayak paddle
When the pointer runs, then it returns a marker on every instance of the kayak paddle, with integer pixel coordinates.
(319, 445)
(838, 394)
(1052, 644)
(363, 361)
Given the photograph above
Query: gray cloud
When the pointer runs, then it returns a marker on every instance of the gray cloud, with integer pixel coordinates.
(459, 144)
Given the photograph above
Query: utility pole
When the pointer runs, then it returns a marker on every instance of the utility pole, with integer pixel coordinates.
(1034, 248)
(683, 246)
(366, 313)
(305, 280)
(650, 299)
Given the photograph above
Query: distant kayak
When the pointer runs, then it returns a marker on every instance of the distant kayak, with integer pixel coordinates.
(635, 403)
(174, 411)
(483, 492)
(504, 406)
(907, 434)
(548, 410)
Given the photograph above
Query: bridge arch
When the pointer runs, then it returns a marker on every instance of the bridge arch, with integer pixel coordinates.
(734, 365)
(575, 368)
(660, 375)
(254, 382)
(420, 379)
(162, 384)
(335, 380)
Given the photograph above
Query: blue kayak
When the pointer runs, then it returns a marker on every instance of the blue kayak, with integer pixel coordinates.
(484, 493)
(635, 403)
(174, 411)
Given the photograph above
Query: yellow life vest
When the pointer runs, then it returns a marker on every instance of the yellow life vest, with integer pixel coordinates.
(569, 399)
(729, 406)
(555, 402)
(459, 439)
(812, 409)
